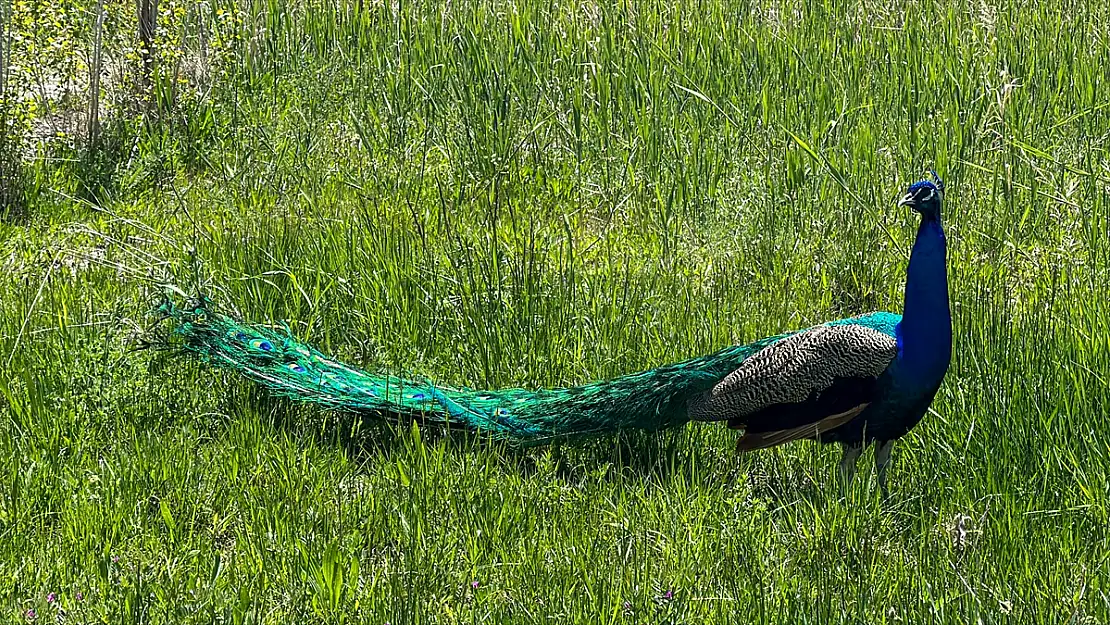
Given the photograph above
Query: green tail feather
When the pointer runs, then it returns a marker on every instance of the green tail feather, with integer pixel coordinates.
(650, 400)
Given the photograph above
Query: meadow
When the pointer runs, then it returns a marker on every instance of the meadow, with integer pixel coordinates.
(540, 193)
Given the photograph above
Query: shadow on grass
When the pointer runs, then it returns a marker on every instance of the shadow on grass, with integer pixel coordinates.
(654, 455)
(692, 454)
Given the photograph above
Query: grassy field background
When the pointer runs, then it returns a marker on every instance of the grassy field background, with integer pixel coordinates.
(544, 193)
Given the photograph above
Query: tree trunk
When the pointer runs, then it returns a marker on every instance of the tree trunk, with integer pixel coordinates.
(11, 166)
(94, 78)
(5, 46)
(148, 23)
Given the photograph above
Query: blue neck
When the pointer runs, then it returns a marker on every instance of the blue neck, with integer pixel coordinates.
(925, 333)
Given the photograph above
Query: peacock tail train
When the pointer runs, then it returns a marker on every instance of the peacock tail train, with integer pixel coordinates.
(649, 400)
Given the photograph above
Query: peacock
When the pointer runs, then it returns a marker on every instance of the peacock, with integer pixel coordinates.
(857, 381)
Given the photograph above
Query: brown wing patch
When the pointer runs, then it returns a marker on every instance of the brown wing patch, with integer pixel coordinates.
(763, 440)
(792, 369)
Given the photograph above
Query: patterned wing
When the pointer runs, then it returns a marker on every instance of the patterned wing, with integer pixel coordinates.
(805, 384)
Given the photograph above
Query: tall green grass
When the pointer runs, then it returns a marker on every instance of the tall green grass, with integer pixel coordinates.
(543, 193)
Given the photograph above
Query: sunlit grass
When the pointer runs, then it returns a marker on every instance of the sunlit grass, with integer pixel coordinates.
(540, 194)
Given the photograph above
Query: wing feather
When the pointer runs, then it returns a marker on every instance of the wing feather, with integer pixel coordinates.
(807, 383)
(762, 440)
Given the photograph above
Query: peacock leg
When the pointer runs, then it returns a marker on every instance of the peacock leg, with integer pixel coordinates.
(882, 461)
(848, 463)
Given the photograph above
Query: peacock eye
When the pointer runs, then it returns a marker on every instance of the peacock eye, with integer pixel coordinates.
(263, 345)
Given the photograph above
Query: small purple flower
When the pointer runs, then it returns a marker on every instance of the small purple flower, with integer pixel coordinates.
(668, 595)
(474, 584)
(51, 598)
(30, 614)
(79, 596)
(115, 558)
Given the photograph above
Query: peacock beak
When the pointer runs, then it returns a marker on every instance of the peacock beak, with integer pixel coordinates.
(908, 200)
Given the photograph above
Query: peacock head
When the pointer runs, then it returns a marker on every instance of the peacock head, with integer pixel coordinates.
(925, 196)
